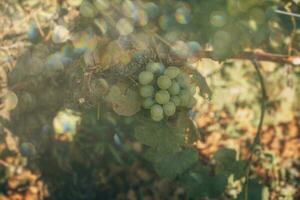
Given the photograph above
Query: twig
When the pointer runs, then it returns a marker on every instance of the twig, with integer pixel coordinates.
(261, 121)
(38, 25)
(287, 13)
(156, 49)
(259, 55)
(263, 103)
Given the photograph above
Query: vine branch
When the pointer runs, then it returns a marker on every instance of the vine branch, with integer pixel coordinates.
(259, 55)
(263, 103)
(261, 121)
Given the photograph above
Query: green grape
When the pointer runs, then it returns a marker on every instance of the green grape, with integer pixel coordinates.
(156, 111)
(157, 118)
(175, 100)
(162, 97)
(164, 82)
(174, 89)
(87, 9)
(145, 77)
(185, 97)
(183, 80)
(172, 72)
(155, 67)
(169, 108)
(148, 102)
(147, 91)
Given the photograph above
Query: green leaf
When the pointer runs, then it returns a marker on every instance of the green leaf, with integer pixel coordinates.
(227, 164)
(171, 165)
(199, 183)
(159, 136)
(225, 155)
(183, 122)
(205, 91)
(255, 191)
(125, 101)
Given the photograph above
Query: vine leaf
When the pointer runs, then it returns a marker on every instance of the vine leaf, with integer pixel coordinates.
(205, 91)
(184, 123)
(199, 183)
(227, 164)
(159, 136)
(125, 101)
(255, 191)
(174, 164)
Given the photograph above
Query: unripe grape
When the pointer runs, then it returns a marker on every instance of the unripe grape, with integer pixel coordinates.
(183, 80)
(164, 82)
(184, 97)
(148, 102)
(145, 77)
(174, 89)
(147, 91)
(172, 72)
(162, 97)
(87, 9)
(155, 67)
(156, 111)
(169, 108)
(175, 100)
(157, 118)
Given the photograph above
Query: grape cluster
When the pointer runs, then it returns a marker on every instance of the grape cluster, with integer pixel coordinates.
(165, 89)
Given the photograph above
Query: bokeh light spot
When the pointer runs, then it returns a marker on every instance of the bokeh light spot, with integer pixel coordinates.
(55, 62)
(193, 48)
(10, 100)
(218, 18)
(142, 18)
(60, 34)
(124, 26)
(152, 10)
(74, 2)
(84, 41)
(165, 22)
(101, 5)
(180, 49)
(66, 122)
(183, 15)
(129, 9)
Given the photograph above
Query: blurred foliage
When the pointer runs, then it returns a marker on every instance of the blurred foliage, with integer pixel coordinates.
(82, 65)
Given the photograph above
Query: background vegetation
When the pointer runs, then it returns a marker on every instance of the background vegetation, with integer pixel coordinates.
(72, 125)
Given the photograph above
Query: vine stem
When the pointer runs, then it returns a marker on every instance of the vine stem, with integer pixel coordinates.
(261, 121)
(263, 104)
(259, 55)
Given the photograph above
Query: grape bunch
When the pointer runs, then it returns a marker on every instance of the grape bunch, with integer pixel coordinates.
(165, 89)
